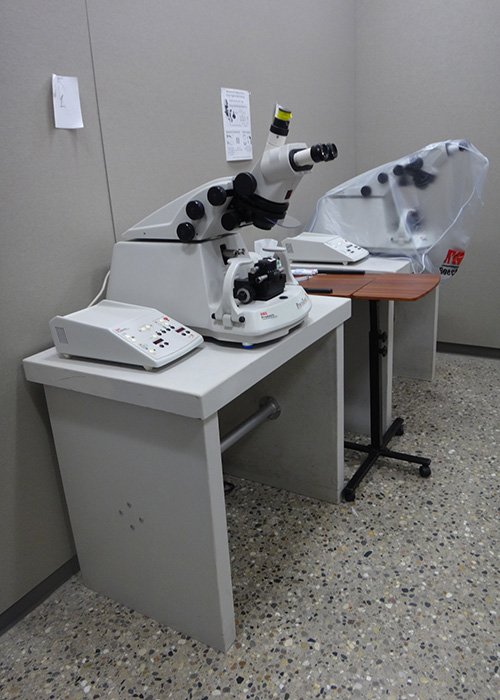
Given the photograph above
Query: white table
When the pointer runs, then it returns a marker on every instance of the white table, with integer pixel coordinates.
(140, 460)
(411, 343)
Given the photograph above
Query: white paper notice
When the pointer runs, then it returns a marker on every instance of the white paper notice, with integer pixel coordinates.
(66, 98)
(237, 126)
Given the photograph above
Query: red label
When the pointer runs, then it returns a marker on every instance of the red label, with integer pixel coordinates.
(451, 262)
(454, 257)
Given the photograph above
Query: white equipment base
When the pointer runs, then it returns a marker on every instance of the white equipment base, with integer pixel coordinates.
(153, 273)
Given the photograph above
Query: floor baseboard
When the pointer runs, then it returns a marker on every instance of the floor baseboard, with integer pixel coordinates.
(38, 594)
(476, 350)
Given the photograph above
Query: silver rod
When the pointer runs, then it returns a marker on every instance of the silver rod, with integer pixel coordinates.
(269, 409)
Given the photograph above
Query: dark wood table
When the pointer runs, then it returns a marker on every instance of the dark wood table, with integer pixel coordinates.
(376, 288)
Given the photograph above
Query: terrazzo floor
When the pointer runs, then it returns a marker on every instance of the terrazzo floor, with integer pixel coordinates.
(394, 596)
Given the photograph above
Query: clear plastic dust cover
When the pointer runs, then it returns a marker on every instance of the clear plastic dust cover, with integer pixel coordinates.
(423, 206)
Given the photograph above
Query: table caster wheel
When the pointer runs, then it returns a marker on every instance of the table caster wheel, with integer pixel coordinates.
(349, 495)
(228, 487)
(425, 471)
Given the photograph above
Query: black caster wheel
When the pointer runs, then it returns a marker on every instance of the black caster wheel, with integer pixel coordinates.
(228, 487)
(349, 495)
(425, 471)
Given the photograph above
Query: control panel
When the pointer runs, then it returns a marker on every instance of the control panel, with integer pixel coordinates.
(125, 333)
(323, 248)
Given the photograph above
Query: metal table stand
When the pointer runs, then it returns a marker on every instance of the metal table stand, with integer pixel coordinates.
(379, 440)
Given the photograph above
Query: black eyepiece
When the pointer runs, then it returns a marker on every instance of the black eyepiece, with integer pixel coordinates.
(323, 152)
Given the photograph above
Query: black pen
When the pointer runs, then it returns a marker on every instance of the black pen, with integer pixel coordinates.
(318, 290)
(340, 272)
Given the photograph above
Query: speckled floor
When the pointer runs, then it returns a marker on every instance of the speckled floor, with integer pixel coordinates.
(394, 596)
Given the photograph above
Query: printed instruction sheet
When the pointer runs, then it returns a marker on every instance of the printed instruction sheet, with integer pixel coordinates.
(237, 125)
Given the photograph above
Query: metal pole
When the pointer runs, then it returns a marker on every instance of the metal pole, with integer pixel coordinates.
(269, 409)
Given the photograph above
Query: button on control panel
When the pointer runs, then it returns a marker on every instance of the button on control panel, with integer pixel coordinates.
(159, 336)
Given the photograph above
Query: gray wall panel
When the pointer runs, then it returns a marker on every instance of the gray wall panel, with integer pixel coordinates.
(55, 237)
(159, 70)
(428, 71)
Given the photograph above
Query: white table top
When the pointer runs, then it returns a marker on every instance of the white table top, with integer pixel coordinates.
(198, 384)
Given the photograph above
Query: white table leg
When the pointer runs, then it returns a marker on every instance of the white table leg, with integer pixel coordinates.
(302, 451)
(415, 337)
(145, 495)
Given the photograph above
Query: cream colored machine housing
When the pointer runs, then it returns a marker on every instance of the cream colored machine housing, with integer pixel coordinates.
(189, 280)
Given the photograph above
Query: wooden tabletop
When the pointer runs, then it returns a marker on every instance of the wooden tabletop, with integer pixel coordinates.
(375, 287)
(342, 285)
